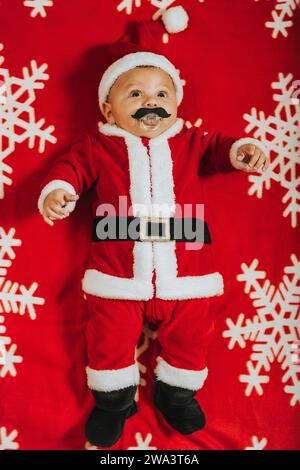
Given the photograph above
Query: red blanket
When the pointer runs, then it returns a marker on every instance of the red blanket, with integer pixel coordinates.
(238, 59)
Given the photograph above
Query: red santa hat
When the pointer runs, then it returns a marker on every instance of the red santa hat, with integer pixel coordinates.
(142, 47)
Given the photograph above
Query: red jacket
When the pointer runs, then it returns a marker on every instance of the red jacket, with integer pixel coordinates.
(165, 171)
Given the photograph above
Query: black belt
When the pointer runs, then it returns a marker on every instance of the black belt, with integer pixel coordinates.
(150, 229)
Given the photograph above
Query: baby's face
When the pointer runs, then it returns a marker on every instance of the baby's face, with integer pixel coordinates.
(145, 88)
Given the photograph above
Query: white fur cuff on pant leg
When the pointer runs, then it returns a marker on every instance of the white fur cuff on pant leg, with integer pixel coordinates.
(114, 379)
(185, 378)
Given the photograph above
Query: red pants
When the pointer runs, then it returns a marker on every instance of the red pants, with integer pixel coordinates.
(185, 328)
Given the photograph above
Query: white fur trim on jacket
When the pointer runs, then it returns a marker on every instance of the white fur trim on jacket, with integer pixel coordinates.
(132, 60)
(140, 287)
(190, 287)
(140, 182)
(247, 140)
(185, 378)
(163, 197)
(51, 186)
(169, 286)
(115, 379)
(158, 200)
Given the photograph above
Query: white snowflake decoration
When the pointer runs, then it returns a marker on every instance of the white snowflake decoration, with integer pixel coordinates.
(160, 5)
(17, 115)
(129, 5)
(7, 441)
(15, 298)
(148, 335)
(272, 331)
(257, 444)
(280, 133)
(142, 444)
(197, 123)
(38, 7)
(89, 446)
(282, 10)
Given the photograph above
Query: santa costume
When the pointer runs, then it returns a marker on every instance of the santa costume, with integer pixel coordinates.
(163, 280)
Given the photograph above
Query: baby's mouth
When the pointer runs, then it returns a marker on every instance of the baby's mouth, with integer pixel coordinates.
(150, 120)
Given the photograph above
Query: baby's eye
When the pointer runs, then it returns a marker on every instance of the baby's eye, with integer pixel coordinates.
(135, 93)
(163, 94)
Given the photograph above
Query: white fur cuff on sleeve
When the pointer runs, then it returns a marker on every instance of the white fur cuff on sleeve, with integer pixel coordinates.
(247, 140)
(51, 186)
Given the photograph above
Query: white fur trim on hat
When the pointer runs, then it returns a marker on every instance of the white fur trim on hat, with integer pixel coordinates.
(175, 19)
(132, 60)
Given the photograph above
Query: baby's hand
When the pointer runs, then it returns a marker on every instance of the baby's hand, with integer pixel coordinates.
(250, 158)
(54, 203)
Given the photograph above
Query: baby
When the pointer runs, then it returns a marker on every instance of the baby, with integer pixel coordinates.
(145, 167)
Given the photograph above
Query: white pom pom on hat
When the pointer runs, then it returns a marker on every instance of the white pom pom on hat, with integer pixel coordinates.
(142, 46)
(175, 19)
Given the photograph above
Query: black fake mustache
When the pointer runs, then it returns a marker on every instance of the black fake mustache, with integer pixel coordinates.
(140, 113)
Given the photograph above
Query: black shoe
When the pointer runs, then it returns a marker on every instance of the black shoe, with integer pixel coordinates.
(105, 424)
(133, 410)
(178, 407)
